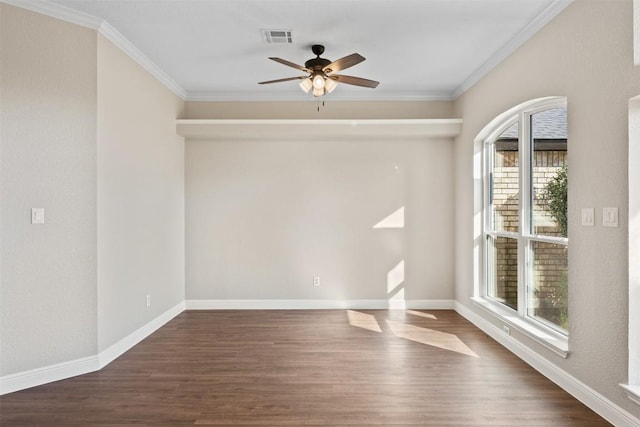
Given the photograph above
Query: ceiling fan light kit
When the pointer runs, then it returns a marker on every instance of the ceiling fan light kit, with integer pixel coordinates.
(306, 85)
(318, 81)
(321, 78)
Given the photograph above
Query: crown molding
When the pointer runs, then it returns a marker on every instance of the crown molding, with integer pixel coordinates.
(72, 16)
(57, 11)
(122, 43)
(512, 45)
(64, 13)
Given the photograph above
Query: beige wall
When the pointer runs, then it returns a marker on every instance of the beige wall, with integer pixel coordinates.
(48, 157)
(140, 196)
(265, 217)
(586, 55)
(90, 136)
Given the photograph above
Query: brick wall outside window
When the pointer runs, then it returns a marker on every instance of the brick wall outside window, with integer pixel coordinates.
(550, 260)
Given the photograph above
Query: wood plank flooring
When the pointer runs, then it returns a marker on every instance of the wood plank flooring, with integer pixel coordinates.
(318, 368)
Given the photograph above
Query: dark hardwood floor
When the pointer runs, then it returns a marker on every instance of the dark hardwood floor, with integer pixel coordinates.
(321, 368)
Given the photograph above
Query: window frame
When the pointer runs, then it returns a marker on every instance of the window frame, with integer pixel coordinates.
(632, 387)
(546, 333)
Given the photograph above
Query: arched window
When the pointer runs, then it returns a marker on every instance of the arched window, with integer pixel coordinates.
(525, 233)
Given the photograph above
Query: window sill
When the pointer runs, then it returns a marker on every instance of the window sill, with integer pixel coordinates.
(552, 340)
(633, 392)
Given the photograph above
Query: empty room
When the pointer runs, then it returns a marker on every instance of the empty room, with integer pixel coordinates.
(353, 212)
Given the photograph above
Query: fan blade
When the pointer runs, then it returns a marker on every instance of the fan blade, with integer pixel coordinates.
(356, 81)
(289, 64)
(283, 80)
(344, 63)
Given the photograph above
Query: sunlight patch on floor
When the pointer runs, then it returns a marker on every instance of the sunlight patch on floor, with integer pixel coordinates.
(430, 337)
(363, 320)
(421, 314)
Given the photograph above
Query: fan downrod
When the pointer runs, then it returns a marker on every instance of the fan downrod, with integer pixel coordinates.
(317, 49)
(317, 64)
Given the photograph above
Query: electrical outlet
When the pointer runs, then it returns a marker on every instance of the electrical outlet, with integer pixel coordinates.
(148, 300)
(506, 329)
(316, 281)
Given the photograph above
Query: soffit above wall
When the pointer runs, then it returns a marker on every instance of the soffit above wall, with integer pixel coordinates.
(226, 130)
(314, 110)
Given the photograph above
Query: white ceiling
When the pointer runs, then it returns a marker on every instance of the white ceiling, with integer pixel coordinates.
(417, 49)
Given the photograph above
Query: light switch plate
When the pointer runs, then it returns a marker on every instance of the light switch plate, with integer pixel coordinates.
(610, 217)
(37, 215)
(588, 215)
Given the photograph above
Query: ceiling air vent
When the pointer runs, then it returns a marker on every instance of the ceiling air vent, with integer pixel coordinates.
(277, 36)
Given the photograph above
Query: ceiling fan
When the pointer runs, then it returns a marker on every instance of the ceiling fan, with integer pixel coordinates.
(321, 78)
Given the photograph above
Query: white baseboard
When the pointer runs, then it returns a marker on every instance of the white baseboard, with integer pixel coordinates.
(47, 374)
(116, 350)
(594, 400)
(39, 376)
(60, 371)
(317, 304)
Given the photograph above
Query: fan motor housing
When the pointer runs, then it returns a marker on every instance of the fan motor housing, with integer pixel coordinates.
(317, 64)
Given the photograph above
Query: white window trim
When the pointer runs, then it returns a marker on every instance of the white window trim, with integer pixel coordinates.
(633, 392)
(632, 388)
(547, 336)
(636, 33)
